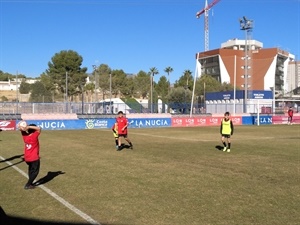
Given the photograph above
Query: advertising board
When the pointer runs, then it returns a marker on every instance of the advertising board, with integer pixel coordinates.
(7, 124)
(202, 121)
(149, 122)
(284, 120)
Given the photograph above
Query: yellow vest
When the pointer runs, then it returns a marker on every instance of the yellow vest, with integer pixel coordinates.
(226, 128)
(116, 131)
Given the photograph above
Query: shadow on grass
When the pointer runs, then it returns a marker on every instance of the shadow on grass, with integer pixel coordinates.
(50, 176)
(12, 165)
(289, 138)
(219, 147)
(12, 220)
(12, 158)
(124, 146)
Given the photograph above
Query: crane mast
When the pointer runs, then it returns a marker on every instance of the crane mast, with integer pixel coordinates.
(206, 21)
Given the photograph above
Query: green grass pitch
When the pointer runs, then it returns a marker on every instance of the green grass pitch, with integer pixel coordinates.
(172, 176)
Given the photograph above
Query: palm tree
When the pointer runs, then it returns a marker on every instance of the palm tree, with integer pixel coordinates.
(169, 70)
(187, 74)
(153, 71)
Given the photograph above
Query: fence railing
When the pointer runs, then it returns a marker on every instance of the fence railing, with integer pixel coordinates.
(15, 108)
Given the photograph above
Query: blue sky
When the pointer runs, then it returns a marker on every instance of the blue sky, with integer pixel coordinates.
(135, 35)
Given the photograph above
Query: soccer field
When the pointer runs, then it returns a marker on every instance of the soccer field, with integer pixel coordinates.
(172, 176)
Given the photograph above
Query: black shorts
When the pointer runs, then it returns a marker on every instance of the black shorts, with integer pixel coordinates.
(226, 135)
(123, 135)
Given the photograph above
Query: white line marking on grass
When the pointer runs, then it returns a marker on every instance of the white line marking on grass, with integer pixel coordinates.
(58, 198)
(168, 137)
(197, 140)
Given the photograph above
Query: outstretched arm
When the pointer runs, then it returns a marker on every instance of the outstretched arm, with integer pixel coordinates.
(36, 128)
(125, 125)
(231, 126)
(221, 127)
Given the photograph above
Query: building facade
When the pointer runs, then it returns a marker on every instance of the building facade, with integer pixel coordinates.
(293, 77)
(10, 85)
(13, 85)
(261, 69)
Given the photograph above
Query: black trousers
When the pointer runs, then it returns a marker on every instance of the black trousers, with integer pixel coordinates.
(33, 171)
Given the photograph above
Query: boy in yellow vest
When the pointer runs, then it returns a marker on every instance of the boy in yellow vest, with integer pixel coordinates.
(226, 130)
(116, 135)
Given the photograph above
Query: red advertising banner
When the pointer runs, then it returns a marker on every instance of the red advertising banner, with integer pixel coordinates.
(279, 119)
(284, 119)
(8, 124)
(236, 120)
(178, 122)
(188, 122)
(213, 121)
(202, 121)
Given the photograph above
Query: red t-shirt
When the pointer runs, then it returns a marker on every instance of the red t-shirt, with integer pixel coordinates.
(290, 112)
(122, 122)
(32, 146)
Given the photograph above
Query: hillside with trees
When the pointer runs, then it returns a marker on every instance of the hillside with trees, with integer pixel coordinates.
(66, 79)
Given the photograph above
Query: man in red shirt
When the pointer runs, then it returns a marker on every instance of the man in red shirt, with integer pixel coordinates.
(122, 130)
(30, 135)
(290, 116)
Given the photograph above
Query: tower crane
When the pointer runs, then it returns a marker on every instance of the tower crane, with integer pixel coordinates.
(206, 30)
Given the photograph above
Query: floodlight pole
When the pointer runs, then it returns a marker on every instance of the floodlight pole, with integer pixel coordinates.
(17, 93)
(151, 89)
(110, 93)
(66, 92)
(204, 99)
(194, 85)
(184, 105)
(234, 87)
(82, 99)
(95, 75)
(247, 26)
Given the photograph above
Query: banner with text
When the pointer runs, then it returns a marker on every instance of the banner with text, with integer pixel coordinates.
(98, 123)
(58, 124)
(263, 120)
(284, 120)
(7, 124)
(149, 122)
(73, 124)
(202, 121)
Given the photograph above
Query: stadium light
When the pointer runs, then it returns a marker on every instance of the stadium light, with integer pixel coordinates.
(95, 71)
(17, 93)
(82, 98)
(110, 93)
(66, 92)
(247, 26)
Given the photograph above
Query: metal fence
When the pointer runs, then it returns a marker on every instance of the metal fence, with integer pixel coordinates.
(273, 109)
(15, 108)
